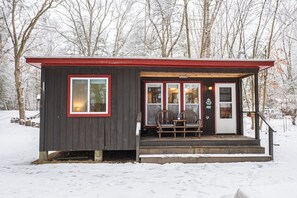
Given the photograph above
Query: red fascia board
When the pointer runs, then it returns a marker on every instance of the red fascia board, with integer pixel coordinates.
(138, 62)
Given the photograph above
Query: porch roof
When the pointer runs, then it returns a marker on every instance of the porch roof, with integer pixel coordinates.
(149, 62)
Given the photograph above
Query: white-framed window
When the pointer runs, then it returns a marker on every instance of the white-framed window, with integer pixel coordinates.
(89, 95)
(173, 97)
(192, 97)
(154, 102)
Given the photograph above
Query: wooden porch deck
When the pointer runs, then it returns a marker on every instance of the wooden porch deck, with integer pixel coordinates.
(214, 148)
(211, 140)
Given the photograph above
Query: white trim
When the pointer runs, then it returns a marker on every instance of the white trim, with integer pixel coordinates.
(231, 124)
(88, 97)
(199, 93)
(147, 85)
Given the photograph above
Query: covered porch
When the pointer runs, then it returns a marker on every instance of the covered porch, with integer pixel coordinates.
(213, 91)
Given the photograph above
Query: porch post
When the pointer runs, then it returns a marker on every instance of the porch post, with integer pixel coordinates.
(240, 106)
(257, 135)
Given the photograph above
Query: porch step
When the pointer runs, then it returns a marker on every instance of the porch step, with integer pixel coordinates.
(203, 158)
(201, 150)
(199, 142)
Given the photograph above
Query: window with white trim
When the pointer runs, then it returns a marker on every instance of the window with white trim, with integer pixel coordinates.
(192, 98)
(89, 96)
(154, 98)
(173, 97)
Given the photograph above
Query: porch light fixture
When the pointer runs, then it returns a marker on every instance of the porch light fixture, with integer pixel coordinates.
(183, 76)
(210, 88)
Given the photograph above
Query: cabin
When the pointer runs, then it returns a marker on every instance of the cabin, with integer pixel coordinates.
(112, 104)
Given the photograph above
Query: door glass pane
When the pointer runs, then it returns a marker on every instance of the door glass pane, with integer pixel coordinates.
(79, 95)
(191, 99)
(152, 111)
(173, 98)
(154, 94)
(98, 95)
(225, 94)
(154, 102)
(226, 110)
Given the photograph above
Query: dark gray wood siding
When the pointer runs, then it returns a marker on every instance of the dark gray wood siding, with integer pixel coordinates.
(117, 132)
(59, 132)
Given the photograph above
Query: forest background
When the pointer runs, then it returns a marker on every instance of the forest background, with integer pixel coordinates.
(211, 29)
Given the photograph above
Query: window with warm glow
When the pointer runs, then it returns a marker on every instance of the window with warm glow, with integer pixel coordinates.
(192, 97)
(89, 96)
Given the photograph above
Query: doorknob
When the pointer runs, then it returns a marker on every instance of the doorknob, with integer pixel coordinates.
(207, 117)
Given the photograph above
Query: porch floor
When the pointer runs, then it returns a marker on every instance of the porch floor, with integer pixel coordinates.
(211, 140)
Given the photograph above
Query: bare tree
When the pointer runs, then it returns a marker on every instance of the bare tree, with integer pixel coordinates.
(210, 12)
(20, 21)
(86, 23)
(162, 16)
(125, 22)
(187, 24)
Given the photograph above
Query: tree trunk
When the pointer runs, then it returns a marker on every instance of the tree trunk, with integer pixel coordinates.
(19, 88)
(268, 56)
(205, 40)
(187, 28)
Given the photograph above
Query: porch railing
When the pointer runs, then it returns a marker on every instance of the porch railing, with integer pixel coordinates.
(138, 134)
(270, 135)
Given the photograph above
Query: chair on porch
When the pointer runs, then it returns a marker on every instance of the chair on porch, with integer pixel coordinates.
(164, 121)
(193, 123)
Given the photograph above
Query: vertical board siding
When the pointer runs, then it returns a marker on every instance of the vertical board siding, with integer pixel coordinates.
(49, 110)
(42, 143)
(58, 132)
(63, 112)
(126, 110)
(56, 107)
(119, 114)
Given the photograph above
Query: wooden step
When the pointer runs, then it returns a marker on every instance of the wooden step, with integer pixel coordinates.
(201, 150)
(203, 158)
(198, 142)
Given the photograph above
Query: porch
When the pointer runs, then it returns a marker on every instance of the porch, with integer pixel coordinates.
(206, 149)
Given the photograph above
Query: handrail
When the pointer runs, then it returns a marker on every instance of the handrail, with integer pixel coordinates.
(138, 134)
(270, 135)
(264, 119)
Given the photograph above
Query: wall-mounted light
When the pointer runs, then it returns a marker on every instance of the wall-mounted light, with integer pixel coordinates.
(209, 88)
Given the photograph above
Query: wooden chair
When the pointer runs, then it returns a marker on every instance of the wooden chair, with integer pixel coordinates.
(164, 120)
(193, 123)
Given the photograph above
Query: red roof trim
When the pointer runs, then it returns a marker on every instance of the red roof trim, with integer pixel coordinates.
(141, 62)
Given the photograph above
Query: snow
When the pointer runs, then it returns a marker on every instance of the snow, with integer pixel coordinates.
(19, 178)
(267, 191)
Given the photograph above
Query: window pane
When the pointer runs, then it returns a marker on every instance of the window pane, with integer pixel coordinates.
(152, 111)
(154, 94)
(194, 108)
(191, 91)
(79, 95)
(173, 96)
(226, 110)
(154, 102)
(98, 95)
(225, 94)
(192, 94)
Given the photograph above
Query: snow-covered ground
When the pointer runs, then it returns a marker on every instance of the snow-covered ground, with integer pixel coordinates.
(19, 178)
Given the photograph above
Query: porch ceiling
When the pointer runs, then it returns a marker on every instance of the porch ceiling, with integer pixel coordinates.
(191, 75)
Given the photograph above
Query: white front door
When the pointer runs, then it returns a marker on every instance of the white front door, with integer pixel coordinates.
(225, 108)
